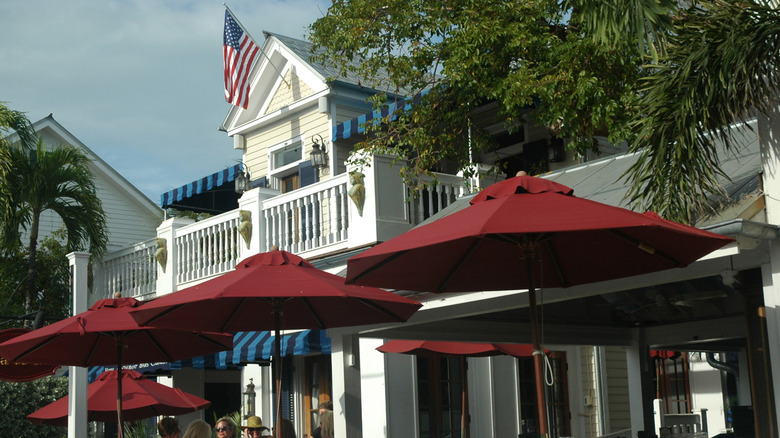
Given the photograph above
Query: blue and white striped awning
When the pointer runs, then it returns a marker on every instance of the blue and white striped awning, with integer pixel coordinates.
(248, 347)
(258, 346)
(180, 196)
(358, 124)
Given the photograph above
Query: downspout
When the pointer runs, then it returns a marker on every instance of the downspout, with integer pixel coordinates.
(722, 366)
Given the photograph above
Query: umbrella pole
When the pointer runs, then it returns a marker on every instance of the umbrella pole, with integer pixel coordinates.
(538, 365)
(278, 366)
(119, 424)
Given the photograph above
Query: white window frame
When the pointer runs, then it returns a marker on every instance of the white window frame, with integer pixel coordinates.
(275, 173)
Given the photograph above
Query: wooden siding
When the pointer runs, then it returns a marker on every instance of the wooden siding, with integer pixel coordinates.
(286, 96)
(589, 391)
(617, 388)
(308, 123)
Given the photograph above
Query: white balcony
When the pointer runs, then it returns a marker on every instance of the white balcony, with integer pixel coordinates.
(313, 221)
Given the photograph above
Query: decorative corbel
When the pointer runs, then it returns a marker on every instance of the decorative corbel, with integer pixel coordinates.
(245, 226)
(161, 255)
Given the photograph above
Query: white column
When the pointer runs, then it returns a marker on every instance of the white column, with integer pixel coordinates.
(345, 364)
(166, 281)
(385, 214)
(635, 400)
(769, 140)
(373, 389)
(252, 202)
(77, 376)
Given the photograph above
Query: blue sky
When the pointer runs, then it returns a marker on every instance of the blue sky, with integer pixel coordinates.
(138, 81)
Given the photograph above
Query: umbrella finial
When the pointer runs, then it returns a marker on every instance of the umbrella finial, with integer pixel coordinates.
(117, 294)
(521, 173)
(274, 248)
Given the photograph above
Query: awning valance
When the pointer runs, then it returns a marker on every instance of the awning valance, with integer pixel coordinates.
(358, 124)
(248, 347)
(211, 194)
(259, 346)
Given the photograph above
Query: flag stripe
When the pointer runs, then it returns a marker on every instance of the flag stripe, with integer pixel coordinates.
(238, 52)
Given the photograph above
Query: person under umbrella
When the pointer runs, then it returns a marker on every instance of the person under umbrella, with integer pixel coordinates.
(527, 232)
(168, 427)
(106, 334)
(294, 293)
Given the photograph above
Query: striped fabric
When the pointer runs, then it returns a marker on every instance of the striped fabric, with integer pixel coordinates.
(358, 124)
(199, 186)
(247, 347)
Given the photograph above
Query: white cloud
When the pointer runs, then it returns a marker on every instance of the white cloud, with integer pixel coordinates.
(139, 82)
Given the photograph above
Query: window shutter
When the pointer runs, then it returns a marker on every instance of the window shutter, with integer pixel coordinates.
(260, 182)
(307, 174)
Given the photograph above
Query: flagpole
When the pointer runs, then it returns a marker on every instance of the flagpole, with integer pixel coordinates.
(259, 46)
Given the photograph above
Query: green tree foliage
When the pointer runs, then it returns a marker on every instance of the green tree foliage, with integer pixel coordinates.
(527, 56)
(19, 399)
(51, 282)
(57, 180)
(720, 68)
(12, 122)
(660, 74)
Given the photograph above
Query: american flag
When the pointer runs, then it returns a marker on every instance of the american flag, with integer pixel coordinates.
(239, 52)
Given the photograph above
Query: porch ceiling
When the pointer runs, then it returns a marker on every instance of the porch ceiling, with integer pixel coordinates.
(702, 314)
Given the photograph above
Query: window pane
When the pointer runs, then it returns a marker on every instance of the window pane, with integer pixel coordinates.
(287, 155)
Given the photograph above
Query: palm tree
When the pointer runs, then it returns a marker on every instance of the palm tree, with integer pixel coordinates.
(12, 121)
(712, 64)
(59, 180)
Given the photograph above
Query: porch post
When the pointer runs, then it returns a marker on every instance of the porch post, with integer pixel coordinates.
(373, 389)
(769, 141)
(252, 202)
(345, 364)
(77, 376)
(166, 235)
(640, 391)
(384, 213)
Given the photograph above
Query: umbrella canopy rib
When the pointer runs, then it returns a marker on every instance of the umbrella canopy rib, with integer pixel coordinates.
(376, 266)
(157, 346)
(381, 309)
(556, 264)
(318, 320)
(458, 263)
(232, 316)
(647, 248)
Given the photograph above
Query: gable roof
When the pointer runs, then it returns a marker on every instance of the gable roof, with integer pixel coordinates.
(294, 52)
(303, 50)
(48, 123)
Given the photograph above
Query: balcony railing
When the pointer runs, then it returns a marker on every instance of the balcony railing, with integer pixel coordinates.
(131, 271)
(311, 221)
(207, 248)
(309, 218)
(431, 199)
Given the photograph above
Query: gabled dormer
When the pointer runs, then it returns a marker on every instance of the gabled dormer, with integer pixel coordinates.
(293, 105)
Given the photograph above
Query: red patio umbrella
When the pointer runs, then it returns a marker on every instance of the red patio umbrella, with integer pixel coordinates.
(143, 398)
(468, 349)
(461, 349)
(275, 291)
(106, 334)
(529, 232)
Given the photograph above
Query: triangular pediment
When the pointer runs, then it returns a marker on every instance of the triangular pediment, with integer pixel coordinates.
(279, 78)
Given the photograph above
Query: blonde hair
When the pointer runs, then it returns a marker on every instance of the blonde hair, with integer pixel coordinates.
(198, 429)
(326, 420)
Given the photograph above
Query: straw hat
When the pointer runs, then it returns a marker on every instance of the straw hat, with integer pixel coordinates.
(253, 422)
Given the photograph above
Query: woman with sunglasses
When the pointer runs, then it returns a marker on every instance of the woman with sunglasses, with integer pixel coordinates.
(225, 428)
